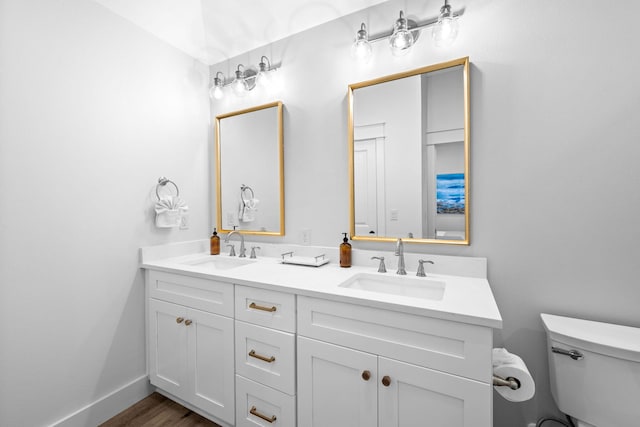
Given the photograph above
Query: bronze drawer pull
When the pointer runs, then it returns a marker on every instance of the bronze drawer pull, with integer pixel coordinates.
(255, 412)
(180, 320)
(253, 353)
(188, 322)
(386, 381)
(261, 307)
(366, 375)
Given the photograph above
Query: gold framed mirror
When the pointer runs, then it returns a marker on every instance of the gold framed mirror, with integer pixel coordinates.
(408, 136)
(250, 170)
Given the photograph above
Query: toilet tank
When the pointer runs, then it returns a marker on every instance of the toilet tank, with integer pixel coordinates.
(603, 387)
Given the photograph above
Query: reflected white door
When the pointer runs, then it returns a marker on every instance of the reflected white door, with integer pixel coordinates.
(365, 186)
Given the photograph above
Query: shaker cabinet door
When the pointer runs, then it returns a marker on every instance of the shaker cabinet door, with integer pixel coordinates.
(211, 363)
(414, 396)
(168, 347)
(336, 386)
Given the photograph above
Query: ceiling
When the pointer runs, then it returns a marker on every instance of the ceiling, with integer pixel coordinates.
(213, 30)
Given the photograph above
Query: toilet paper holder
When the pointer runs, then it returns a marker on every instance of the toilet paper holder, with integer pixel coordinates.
(512, 383)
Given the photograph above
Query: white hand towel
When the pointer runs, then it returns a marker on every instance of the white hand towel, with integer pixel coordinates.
(169, 210)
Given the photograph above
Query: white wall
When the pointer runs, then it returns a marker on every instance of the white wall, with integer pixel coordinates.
(554, 100)
(92, 112)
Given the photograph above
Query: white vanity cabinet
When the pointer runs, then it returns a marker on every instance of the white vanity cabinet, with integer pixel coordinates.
(191, 341)
(265, 357)
(363, 366)
(251, 348)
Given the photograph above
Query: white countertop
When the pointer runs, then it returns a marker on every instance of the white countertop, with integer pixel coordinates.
(466, 299)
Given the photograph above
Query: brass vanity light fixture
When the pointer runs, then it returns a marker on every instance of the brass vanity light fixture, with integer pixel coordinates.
(245, 80)
(405, 33)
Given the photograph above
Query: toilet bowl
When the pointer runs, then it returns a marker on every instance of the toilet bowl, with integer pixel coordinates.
(594, 371)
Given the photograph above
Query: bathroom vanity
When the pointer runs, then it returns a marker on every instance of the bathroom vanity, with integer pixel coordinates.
(257, 342)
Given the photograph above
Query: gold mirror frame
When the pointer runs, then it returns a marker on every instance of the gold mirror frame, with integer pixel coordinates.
(464, 62)
(280, 168)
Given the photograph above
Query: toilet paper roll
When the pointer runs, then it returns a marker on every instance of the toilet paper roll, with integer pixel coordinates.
(508, 365)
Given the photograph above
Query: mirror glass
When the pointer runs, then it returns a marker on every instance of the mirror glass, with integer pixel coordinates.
(409, 155)
(249, 159)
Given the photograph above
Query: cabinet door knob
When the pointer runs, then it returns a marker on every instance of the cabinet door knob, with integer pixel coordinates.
(254, 411)
(386, 381)
(180, 320)
(366, 375)
(188, 322)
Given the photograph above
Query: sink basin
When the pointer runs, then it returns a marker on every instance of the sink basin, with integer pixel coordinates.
(414, 287)
(219, 263)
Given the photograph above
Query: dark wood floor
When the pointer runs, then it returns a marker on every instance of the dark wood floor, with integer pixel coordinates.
(158, 411)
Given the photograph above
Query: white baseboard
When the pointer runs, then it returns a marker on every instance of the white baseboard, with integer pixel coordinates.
(108, 406)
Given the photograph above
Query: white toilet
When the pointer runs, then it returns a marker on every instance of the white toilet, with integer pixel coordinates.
(594, 369)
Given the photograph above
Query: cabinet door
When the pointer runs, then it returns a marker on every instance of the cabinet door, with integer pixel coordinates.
(211, 364)
(168, 347)
(420, 396)
(332, 390)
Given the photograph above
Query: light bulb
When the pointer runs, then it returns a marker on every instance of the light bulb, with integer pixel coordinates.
(238, 85)
(361, 48)
(401, 40)
(445, 30)
(263, 78)
(216, 90)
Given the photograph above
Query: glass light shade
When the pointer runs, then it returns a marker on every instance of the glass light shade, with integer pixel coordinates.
(361, 48)
(263, 79)
(401, 40)
(445, 30)
(216, 92)
(238, 85)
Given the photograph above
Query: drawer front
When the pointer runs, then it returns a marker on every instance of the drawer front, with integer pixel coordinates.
(266, 356)
(453, 347)
(206, 295)
(266, 308)
(259, 405)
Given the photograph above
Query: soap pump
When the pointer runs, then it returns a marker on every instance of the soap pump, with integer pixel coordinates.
(215, 243)
(345, 252)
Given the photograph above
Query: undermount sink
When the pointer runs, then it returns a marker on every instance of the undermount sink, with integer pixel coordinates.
(414, 287)
(220, 262)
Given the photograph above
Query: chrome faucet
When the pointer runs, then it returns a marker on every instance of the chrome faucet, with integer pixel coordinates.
(242, 250)
(400, 255)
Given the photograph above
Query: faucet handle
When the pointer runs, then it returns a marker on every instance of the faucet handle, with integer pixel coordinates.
(253, 251)
(381, 267)
(243, 252)
(421, 262)
(232, 252)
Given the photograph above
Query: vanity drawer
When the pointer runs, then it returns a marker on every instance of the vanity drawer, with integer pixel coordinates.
(458, 348)
(259, 405)
(207, 295)
(266, 308)
(266, 356)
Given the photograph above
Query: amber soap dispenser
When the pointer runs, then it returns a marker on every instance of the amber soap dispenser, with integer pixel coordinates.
(215, 243)
(345, 252)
